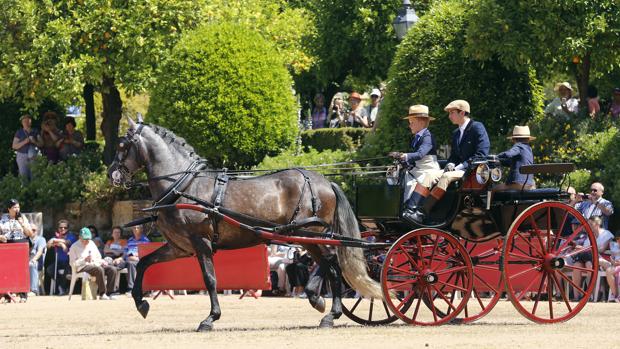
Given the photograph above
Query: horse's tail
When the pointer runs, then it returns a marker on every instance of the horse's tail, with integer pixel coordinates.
(351, 259)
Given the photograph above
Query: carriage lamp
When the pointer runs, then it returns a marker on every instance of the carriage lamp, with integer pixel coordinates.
(483, 173)
(405, 20)
(496, 174)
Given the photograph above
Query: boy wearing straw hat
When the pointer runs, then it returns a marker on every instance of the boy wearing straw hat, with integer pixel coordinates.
(565, 105)
(423, 160)
(519, 155)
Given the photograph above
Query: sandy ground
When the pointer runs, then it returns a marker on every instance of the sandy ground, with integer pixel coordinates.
(55, 322)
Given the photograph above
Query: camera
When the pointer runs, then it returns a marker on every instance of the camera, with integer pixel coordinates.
(585, 197)
(18, 214)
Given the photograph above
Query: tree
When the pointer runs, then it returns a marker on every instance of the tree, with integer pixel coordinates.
(580, 36)
(430, 68)
(227, 91)
(56, 47)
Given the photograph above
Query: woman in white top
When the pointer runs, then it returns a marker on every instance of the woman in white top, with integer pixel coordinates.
(13, 226)
(612, 268)
(603, 238)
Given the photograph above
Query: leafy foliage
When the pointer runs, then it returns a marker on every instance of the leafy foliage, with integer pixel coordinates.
(431, 68)
(334, 138)
(226, 90)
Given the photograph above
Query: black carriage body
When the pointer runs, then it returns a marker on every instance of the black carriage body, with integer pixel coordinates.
(468, 210)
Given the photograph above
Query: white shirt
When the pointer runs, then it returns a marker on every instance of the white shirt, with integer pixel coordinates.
(604, 236)
(555, 107)
(78, 253)
(462, 128)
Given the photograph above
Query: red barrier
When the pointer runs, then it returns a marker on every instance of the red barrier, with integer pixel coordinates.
(246, 268)
(14, 273)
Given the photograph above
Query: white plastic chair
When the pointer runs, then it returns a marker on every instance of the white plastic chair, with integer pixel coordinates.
(89, 284)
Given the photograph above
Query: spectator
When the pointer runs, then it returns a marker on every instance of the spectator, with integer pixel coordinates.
(373, 108)
(49, 137)
(337, 110)
(24, 144)
(96, 239)
(299, 272)
(14, 227)
(614, 107)
(72, 140)
(565, 105)
(358, 117)
(612, 269)
(572, 196)
(594, 204)
(131, 255)
(278, 260)
(584, 259)
(37, 250)
(114, 249)
(319, 112)
(594, 107)
(57, 271)
(520, 154)
(85, 256)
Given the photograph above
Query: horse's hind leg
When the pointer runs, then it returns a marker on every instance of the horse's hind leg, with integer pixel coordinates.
(329, 267)
(162, 254)
(205, 259)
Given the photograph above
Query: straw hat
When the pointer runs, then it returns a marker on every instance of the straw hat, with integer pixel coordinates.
(355, 95)
(521, 132)
(564, 84)
(458, 104)
(418, 111)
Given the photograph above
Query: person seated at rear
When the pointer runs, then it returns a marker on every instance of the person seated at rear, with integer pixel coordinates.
(85, 257)
(15, 228)
(60, 244)
(520, 154)
(278, 260)
(114, 249)
(37, 250)
(469, 140)
(424, 168)
(612, 270)
(584, 259)
(299, 273)
(131, 255)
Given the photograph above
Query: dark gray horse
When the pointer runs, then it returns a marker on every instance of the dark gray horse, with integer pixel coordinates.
(273, 197)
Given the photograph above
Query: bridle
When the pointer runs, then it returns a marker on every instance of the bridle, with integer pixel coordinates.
(122, 176)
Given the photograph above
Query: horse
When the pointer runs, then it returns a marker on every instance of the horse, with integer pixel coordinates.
(172, 165)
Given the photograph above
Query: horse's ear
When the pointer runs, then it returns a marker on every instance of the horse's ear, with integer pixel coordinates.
(132, 124)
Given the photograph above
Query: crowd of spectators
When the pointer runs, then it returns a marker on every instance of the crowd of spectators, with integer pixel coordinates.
(565, 105)
(345, 112)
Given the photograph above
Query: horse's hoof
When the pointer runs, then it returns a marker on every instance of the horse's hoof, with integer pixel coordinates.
(143, 308)
(326, 323)
(319, 304)
(204, 327)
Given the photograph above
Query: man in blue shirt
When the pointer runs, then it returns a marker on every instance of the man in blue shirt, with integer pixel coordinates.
(60, 244)
(131, 255)
(593, 204)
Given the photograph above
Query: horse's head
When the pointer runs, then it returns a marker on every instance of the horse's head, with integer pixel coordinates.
(129, 157)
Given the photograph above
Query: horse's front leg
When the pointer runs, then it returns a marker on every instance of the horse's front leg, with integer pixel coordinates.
(162, 254)
(204, 254)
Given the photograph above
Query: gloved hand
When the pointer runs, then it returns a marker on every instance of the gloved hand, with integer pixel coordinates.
(449, 167)
(394, 154)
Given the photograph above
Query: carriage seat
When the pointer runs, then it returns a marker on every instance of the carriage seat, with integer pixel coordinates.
(535, 194)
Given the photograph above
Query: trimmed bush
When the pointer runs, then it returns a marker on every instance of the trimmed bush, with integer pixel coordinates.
(226, 90)
(347, 138)
(430, 68)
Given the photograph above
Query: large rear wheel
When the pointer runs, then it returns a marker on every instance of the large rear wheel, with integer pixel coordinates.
(430, 266)
(542, 252)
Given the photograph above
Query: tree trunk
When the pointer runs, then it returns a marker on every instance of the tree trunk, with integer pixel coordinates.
(89, 102)
(583, 80)
(112, 113)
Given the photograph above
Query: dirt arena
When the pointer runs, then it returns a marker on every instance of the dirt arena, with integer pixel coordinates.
(55, 322)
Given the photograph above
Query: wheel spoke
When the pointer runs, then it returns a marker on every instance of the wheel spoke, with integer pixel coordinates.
(405, 300)
(585, 249)
(548, 228)
(527, 241)
(523, 272)
(540, 287)
(387, 311)
(550, 295)
(452, 286)
(564, 296)
(411, 260)
(372, 304)
(529, 258)
(572, 283)
(403, 271)
(527, 288)
(451, 270)
(428, 291)
(442, 296)
(538, 234)
(434, 249)
(570, 238)
(574, 267)
(558, 234)
(419, 244)
(359, 300)
(495, 289)
(394, 285)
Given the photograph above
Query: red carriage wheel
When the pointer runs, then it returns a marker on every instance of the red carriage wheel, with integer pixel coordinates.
(488, 285)
(430, 266)
(538, 262)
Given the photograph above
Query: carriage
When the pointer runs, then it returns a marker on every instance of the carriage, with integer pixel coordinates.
(476, 247)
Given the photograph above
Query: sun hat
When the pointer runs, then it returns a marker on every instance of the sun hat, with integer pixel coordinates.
(458, 104)
(355, 95)
(375, 92)
(521, 132)
(418, 111)
(25, 116)
(85, 234)
(560, 84)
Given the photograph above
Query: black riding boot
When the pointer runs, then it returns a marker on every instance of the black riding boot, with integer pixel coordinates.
(420, 214)
(413, 204)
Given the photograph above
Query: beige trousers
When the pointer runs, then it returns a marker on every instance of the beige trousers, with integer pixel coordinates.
(443, 179)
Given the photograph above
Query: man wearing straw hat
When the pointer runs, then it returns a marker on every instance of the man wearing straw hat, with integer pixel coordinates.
(470, 139)
(519, 155)
(423, 160)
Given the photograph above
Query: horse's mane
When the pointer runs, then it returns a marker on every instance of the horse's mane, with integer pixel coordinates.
(175, 141)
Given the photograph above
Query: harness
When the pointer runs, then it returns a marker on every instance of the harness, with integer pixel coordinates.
(220, 185)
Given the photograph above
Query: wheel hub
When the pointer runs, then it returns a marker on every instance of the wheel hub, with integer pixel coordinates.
(553, 262)
(430, 277)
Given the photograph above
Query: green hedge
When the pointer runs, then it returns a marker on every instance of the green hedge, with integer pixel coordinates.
(431, 68)
(226, 90)
(347, 138)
